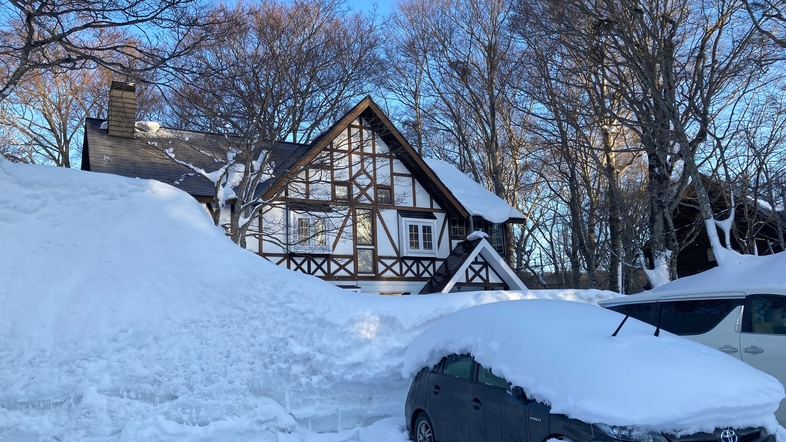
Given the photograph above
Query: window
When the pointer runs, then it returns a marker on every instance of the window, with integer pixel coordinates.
(458, 228)
(495, 238)
(341, 192)
(320, 237)
(695, 317)
(365, 260)
(485, 376)
(363, 224)
(303, 231)
(383, 195)
(765, 314)
(419, 237)
(682, 317)
(647, 312)
(310, 232)
(459, 366)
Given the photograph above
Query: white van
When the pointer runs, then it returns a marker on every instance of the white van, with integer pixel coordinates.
(746, 324)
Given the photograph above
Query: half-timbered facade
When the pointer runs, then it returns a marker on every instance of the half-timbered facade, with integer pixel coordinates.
(357, 207)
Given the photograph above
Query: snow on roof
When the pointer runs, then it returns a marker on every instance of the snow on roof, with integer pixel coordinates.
(475, 198)
(562, 353)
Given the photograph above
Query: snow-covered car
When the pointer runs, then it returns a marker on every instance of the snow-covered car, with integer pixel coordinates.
(537, 370)
(749, 324)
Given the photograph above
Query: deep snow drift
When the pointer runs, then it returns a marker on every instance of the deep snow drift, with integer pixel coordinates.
(552, 349)
(126, 315)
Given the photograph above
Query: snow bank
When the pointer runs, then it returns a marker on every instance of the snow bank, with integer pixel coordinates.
(126, 315)
(474, 197)
(562, 353)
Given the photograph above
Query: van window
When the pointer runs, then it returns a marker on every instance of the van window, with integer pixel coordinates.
(765, 314)
(646, 312)
(682, 317)
(695, 317)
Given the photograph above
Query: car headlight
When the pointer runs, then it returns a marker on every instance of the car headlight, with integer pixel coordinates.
(628, 434)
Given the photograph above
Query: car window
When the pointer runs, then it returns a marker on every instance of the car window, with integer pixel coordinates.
(765, 314)
(695, 317)
(486, 376)
(459, 366)
(646, 312)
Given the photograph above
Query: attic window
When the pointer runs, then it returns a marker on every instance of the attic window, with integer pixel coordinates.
(383, 195)
(341, 191)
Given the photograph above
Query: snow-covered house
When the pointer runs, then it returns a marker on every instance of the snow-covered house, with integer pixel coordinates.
(756, 226)
(357, 206)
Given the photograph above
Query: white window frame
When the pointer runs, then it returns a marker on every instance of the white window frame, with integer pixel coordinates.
(405, 246)
(311, 247)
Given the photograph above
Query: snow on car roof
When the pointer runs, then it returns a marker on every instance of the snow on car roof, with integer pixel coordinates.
(739, 275)
(562, 353)
(738, 272)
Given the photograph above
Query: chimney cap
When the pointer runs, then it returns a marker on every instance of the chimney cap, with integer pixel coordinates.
(123, 86)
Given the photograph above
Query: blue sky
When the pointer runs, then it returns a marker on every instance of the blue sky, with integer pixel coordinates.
(383, 6)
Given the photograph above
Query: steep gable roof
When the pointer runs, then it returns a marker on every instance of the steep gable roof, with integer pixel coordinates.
(384, 128)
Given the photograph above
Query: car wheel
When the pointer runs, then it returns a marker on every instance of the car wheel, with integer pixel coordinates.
(424, 432)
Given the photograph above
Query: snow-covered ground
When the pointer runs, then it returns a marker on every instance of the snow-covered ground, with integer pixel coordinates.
(126, 315)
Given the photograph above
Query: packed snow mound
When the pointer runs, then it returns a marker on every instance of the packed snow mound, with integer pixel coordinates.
(474, 197)
(563, 354)
(127, 315)
(738, 272)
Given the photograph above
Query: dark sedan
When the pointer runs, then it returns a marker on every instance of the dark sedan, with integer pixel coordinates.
(461, 401)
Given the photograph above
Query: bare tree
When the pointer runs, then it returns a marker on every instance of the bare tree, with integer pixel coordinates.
(465, 85)
(277, 72)
(768, 18)
(677, 65)
(125, 36)
(43, 117)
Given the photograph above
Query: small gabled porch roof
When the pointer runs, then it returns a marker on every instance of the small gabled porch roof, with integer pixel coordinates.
(463, 255)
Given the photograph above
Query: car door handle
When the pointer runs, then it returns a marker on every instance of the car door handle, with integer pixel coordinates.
(476, 404)
(436, 390)
(754, 350)
(729, 349)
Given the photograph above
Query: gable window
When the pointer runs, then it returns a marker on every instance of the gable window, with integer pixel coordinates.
(341, 191)
(383, 195)
(310, 234)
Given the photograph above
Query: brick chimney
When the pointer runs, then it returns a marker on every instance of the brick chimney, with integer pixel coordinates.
(122, 109)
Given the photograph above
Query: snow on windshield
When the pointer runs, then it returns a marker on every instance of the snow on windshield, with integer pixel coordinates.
(127, 315)
(562, 353)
